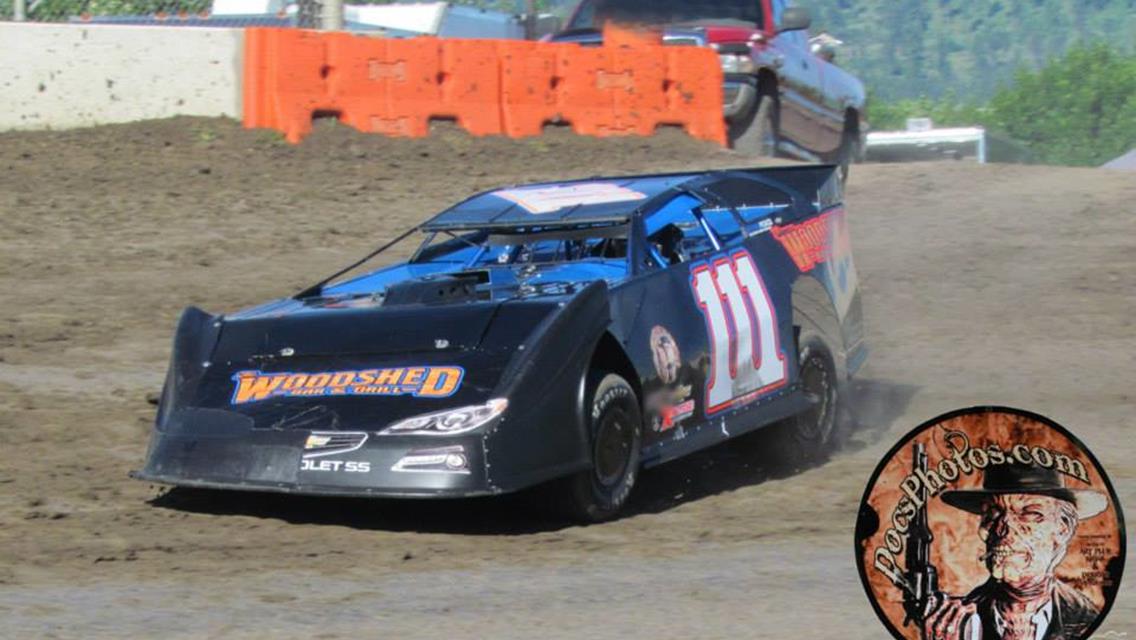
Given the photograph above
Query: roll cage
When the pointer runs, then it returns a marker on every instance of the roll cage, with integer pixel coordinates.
(723, 205)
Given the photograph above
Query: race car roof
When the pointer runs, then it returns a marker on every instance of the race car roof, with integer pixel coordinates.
(594, 200)
(615, 199)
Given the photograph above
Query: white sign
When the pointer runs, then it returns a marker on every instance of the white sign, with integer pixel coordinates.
(549, 199)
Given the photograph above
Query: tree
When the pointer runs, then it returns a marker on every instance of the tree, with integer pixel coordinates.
(1079, 109)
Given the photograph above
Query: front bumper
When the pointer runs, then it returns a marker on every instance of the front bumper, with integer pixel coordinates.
(276, 460)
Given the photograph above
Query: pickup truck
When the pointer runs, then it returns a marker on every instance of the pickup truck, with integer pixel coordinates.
(782, 94)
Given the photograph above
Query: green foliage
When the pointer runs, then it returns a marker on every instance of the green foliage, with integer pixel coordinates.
(948, 111)
(912, 48)
(61, 10)
(1079, 109)
(506, 6)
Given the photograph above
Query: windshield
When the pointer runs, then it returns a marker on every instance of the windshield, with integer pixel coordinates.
(592, 14)
(479, 248)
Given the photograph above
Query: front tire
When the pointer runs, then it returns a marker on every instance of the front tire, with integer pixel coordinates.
(615, 439)
(756, 134)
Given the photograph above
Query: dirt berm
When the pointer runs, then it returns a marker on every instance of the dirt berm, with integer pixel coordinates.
(982, 284)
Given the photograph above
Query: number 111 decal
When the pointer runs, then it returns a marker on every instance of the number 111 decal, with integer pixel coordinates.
(746, 358)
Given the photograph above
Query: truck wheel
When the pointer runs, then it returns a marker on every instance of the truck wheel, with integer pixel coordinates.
(802, 439)
(845, 156)
(756, 133)
(615, 432)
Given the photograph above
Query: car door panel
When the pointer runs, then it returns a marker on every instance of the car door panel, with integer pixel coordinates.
(713, 343)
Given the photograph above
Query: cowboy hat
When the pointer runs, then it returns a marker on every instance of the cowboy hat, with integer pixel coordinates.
(1025, 478)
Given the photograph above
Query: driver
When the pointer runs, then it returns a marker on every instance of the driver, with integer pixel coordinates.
(667, 243)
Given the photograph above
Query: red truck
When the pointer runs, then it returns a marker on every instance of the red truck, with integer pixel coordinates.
(783, 94)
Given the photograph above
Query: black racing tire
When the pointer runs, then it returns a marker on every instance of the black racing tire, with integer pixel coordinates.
(804, 439)
(757, 133)
(614, 427)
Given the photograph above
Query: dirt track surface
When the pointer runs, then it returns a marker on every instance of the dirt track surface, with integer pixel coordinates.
(998, 284)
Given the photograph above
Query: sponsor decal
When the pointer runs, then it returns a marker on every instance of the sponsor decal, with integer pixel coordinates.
(810, 242)
(664, 351)
(343, 466)
(670, 416)
(990, 523)
(762, 226)
(554, 198)
(671, 404)
(329, 443)
(421, 382)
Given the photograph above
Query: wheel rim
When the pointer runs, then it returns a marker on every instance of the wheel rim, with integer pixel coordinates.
(817, 384)
(614, 440)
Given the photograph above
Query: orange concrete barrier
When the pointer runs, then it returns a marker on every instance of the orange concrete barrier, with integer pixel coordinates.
(284, 80)
(384, 86)
(470, 84)
(693, 91)
(616, 89)
(629, 86)
(529, 86)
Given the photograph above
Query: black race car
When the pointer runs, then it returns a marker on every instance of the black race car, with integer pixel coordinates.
(572, 332)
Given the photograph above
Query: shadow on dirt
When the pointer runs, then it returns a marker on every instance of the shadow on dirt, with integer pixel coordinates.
(725, 467)
(744, 461)
(876, 404)
(494, 516)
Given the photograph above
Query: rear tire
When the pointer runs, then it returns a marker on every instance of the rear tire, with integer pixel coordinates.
(801, 440)
(756, 134)
(614, 438)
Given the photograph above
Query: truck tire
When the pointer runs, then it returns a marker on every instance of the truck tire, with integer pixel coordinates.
(756, 133)
(845, 155)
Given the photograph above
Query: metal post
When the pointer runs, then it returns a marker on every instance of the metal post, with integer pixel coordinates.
(20, 10)
(331, 15)
(530, 19)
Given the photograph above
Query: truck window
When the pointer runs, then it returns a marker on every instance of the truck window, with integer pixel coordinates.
(592, 14)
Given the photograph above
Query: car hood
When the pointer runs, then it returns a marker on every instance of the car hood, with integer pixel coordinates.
(313, 332)
(333, 367)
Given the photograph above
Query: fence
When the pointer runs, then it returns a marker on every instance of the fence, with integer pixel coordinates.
(327, 14)
(277, 77)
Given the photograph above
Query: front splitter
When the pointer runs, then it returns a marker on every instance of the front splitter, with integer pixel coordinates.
(313, 489)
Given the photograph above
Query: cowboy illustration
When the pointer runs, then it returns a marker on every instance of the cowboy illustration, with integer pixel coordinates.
(1028, 517)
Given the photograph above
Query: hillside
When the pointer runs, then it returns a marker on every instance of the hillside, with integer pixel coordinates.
(908, 48)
